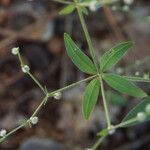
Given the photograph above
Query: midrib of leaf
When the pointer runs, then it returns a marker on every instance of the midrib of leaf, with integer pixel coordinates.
(116, 82)
(91, 96)
(114, 52)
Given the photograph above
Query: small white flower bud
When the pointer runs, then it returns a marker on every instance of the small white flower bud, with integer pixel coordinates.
(112, 130)
(3, 132)
(147, 109)
(58, 95)
(25, 69)
(92, 6)
(34, 120)
(137, 73)
(15, 50)
(141, 116)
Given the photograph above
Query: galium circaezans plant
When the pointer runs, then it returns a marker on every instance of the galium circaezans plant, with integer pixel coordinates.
(98, 71)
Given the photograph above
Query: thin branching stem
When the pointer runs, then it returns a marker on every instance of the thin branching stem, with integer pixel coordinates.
(43, 103)
(105, 103)
(32, 77)
(98, 142)
(87, 36)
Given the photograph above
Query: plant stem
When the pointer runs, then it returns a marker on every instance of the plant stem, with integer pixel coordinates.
(105, 103)
(32, 77)
(42, 104)
(87, 36)
(98, 142)
(37, 82)
(72, 85)
(13, 131)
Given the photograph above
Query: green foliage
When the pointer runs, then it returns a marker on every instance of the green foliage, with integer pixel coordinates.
(115, 98)
(124, 86)
(111, 57)
(103, 133)
(67, 10)
(78, 57)
(133, 113)
(90, 97)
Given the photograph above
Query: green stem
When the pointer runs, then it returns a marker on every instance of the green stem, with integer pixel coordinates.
(37, 82)
(72, 85)
(42, 104)
(13, 131)
(105, 103)
(98, 142)
(32, 77)
(87, 36)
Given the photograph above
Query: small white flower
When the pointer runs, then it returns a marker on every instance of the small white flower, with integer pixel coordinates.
(137, 73)
(58, 95)
(141, 116)
(92, 6)
(128, 2)
(25, 69)
(112, 130)
(34, 120)
(15, 50)
(3, 132)
(147, 109)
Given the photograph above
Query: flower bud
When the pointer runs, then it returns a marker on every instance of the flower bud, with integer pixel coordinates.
(25, 69)
(112, 130)
(15, 50)
(34, 120)
(137, 73)
(141, 116)
(58, 95)
(92, 6)
(3, 132)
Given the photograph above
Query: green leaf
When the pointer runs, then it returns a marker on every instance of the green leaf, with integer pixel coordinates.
(90, 97)
(111, 57)
(81, 60)
(103, 133)
(115, 98)
(124, 86)
(67, 10)
(133, 113)
(84, 10)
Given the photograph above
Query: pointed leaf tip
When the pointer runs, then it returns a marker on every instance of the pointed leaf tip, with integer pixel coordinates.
(81, 60)
(111, 57)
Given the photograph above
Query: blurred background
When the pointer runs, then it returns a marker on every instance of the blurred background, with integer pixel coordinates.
(37, 28)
